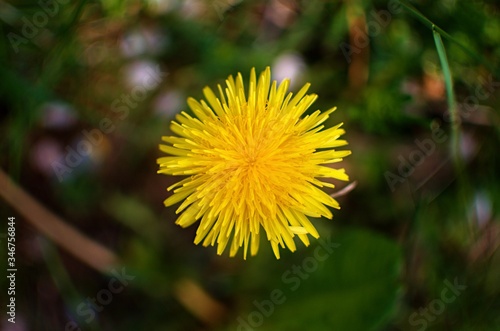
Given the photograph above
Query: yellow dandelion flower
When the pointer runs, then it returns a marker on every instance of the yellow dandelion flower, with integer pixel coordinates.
(252, 162)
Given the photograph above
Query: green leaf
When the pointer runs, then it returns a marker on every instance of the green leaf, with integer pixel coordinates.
(356, 288)
(448, 81)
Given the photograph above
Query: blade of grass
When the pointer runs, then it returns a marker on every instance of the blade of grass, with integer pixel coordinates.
(55, 60)
(450, 94)
(62, 281)
(415, 12)
(463, 186)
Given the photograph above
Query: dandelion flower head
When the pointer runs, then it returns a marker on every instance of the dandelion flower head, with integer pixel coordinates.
(254, 165)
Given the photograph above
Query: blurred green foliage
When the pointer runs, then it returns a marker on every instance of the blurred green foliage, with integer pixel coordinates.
(399, 242)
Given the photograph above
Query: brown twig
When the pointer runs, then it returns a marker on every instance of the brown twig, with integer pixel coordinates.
(199, 302)
(91, 253)
(345, 190)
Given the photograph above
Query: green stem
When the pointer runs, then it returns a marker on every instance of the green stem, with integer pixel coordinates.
(450, 96)
(415, 12)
